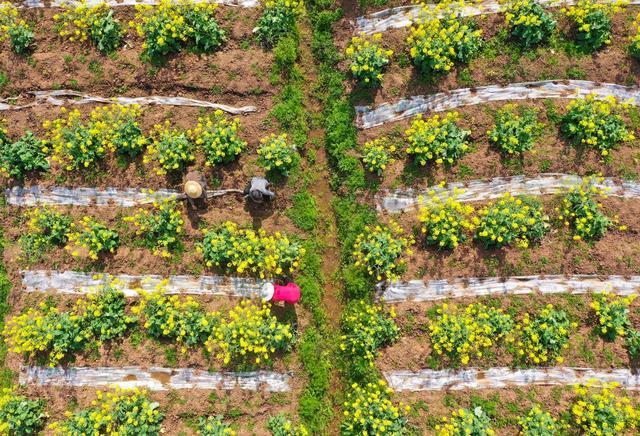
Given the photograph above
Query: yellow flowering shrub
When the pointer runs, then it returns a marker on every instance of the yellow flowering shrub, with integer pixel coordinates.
(595, 123)
(46, 228)
(437, 139)
(179, 319)
(474, 422)
(82, 22)
(437, 43)
(91, 239)
(592, 22)
(246, 251)
(365, 329)
(444, 223)
(276, 154)
(250, 334)
(461, 332)
(515, 130)
(119, 412)
(214, 426)
(170, 149)
(509, 220)
(367, 59)
(15, 29)
(542, 339)
(380, 249)
(278, 20)
(369, 411)
(601, 412)
(160, 228)
(280, 425)
(612, 314)
(219, 139)
(634, 47)
(377, 156)
(172, 25)
(538, 422)
(20, 415)
(528, 22)
(580, 212)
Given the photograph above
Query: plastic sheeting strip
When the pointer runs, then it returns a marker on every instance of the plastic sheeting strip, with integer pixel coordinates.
(368, 117)
(63, 97)
(403, 16)
(72, 282)
(117, 3)
(481, 190)
(434, 290)
(497, 378)
(155, 379)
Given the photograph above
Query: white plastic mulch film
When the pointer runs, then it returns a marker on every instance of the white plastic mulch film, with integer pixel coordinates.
(116, 3)
(434, 290)
(403, 16)
(155, 379)
(64, 97)
(72, 282)
(368, 117)
(496, 378)
(481, 190)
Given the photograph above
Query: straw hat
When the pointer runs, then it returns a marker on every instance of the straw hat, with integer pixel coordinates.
(193, 189)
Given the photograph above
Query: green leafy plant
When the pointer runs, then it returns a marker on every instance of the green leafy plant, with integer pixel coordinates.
(171, 149)
(104, 312)
(19, 415)
(46, 228)
(219, 138)
(596, 124)
(377, 155)
(161, 228)
(367, 59)
(441, 38)
(94, 23)
(379, 250)
(515, 130)
(444, 223)
(437, 139)
(214, 426)
(538, 423)
(91, 239)
(16, 30)
(368, 410)
(19, 158)
(280, 425)
(542, 339)
(462, 332)
(612, 314)
(634, 47)
(632, 342)
(365, 329)
(601, 412)
(528, 22)
(509, 220)
(582, 214)
(276, 154)
(592, 22)
(474, 422)
(278, 20)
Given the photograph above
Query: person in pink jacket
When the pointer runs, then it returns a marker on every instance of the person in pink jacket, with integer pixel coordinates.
(289, 293)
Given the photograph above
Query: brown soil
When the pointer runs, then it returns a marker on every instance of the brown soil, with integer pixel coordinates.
(247, 411)
(504, 406)
(551, 153)
(239, 70)
(556, 253)
(413, 350)
(500, 67)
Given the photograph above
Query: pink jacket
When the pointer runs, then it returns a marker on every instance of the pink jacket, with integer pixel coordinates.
(289, 293)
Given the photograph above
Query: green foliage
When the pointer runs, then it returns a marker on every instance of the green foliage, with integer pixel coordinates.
(632, 342)
(214, 426)
(612, 314)
(286, 53)
(515, 130)
(592, 23)
(278, 20)
(542, 339)
(437, 139)
(528, 22)
(510, 220)
(94, 23)
(46, 228)
(15, 29)
(276, 154)
(474, 422)
(304, 213)
(290, 113)
(280, 425)
(20, 415)
(161, 228)
(538, 423)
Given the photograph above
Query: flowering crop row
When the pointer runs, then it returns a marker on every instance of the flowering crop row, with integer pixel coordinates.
(441, 37)
(249, 333)
(589, 122)
(463, 333)
(593, 411)
(75, 143)
(166, 28)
